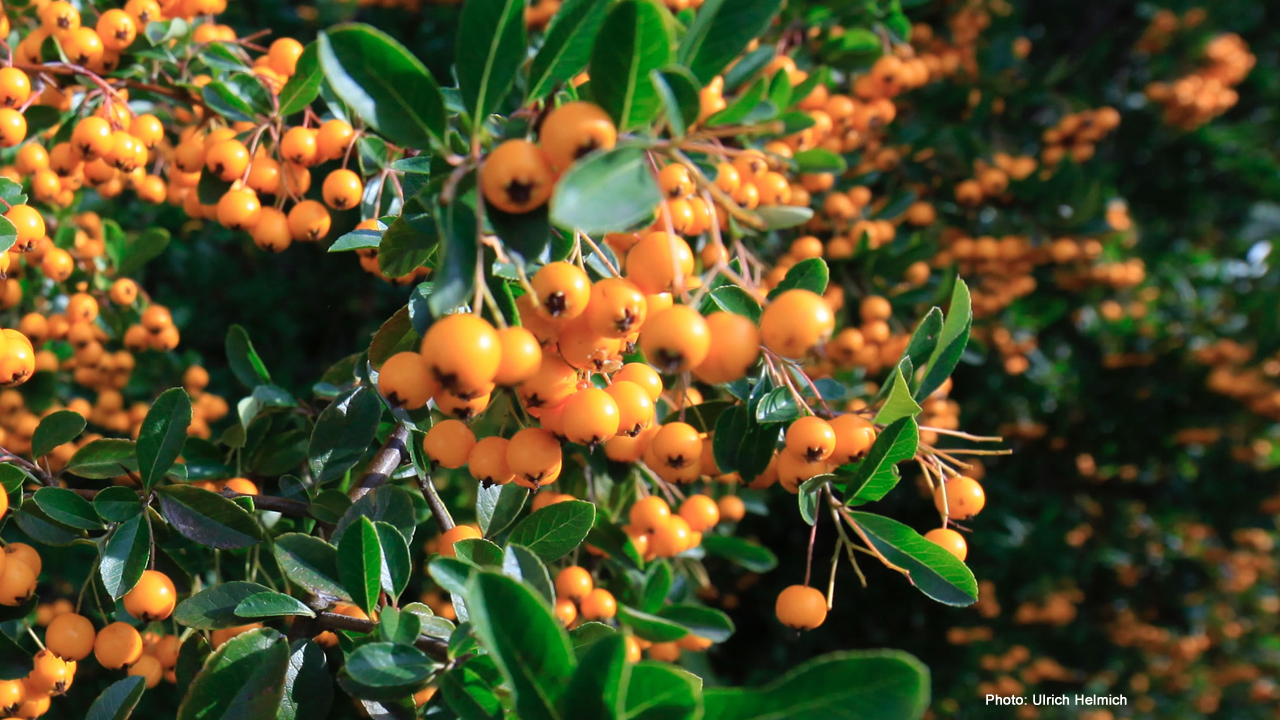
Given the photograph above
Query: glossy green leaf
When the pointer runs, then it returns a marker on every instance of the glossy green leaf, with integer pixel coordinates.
(141, 249)
(360, 564)
(244, 679)
(567, 46)
(497, 506)
(490, 50)
(65, 507)
(303, 86)
(934, 570)
(407, 244)
(605, 192)
(397, 564)
(272, 604)
(521, 563)
(214, 608)
(208, 518)
(555, 530)
(308, 690)
(478, 551)
(721, 30)
(704, 622)
(596, 689)
(809, 274)
(118, 700)
(741, 551)
(899, 403)
(649, 626)
(679, 91)
(117, 503)
(311, 563)
(877, 473)
(125, 556)
(456, 276)
(633, 40)
(55, 429)
(103, 459)
(951, 343)
(384, 671)
(343, 433)
(245, 363)
(163, 432)
(658, 691)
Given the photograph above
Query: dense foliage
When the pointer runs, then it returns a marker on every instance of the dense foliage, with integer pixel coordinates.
(631, 358)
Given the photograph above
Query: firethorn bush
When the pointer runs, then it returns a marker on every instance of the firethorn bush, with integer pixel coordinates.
(645, 399)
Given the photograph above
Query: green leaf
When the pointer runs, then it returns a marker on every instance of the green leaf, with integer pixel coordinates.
(215, 607)
(55, 429)
(360, 564)
(876, 474)
(704, 622)
(407, 244)
(741, 551)
(721, 30)
(858, 40)
(869, 685)
(633, 40)
(357, 240)
(311, 563)
(191, 656)
(468, 689)
(8, 233)
(162, 31)
(245, 678)
(65, 507)
(781, 217)
(303, 87)
(818, 160)
(606, 192)
(648, 626)
(524, 639)
(748, 67)
(478, 552)
(679, 91)
(900, 403)
(271, 604)
(555, 530)
(125, 556)
(587, 634)
(595, 691)
(934, 570)
(208, 518)
(343, 432)
(657, 585)
(245, 363)
(925, 338)
(456, 276)
(742, 106)
(117, 504)
(211, 188)
(658, 691)
(141, 249)
(308, 691)
(240, 98)
(388, 503)
(383, 83)
(951, 343)
(520, 563)
(777, 406)
(809, 274)
(490, 49)
(810, 494)
(163, 432)
(731, 298)
(397, 565)
(780, 96)
(497, 506)
(396, 335)
(118, 700)
(385, 671)
(611, 540)
(567, 45)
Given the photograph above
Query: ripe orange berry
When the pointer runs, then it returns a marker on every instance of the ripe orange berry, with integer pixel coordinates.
(812, 438)
(49, 674)
(550, 386)
(70, 636)
(590, 417)
(516, 177)
(333, 138)
(732, 509)
(308, 221)
(28, 222)
(801, 607)
(299, 146)
(599, 604)
(405, 381)
(488, 461)
(227, 159)
(463, 353)
(964, 498)
(675, 181)
(453, 535)
(12, 694)
(633, 650)
(148, 129)
(448, 443)
(701, 512)
(734, 348)
(563, 291)
(950, 540)
(283, 55)
(635, 407)
(342, 189)
(153, 598)
(534, 456)
(566, 612)
(653, 263)
(521, 356)
(17, 582)
(616, 309)
(573, 130)
(244, 486)
(272, 232)
(676, 339)
(677, 445)
(15, 87)
(796, 322)
(13, 127)
(117, 645)
(642, 375)
(574, 583)
(665, 652)
(854, 437)
(671, 539)
(25, 554)
(875, 307)
(239, 209)
(149, 669)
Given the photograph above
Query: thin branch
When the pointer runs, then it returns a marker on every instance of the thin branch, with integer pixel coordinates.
(438, 649)
(392, 455)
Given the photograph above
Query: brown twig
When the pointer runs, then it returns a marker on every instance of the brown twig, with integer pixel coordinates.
(393, 454)
(435, 647)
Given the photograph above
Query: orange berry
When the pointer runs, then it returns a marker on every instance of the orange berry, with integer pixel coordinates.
(333, 138)
(453, 535)
(964, 498)
(599, 604)
(521, 356)
(342, 189)
(117, 645)
(299, 146)
(701, 512)
(732, 509)
(488, 461)
(405, 381)
(734, 348)
(635, 407)
(516, 177)
(658, 261)
(149, 669)
(812, 438)
(642, 375)
(153, 598)
(534, 456)
(309, 221)
(448, 443)
(49, 674)
(573, 130)
(795, 322)
(650, 513)
(854, 437)
(676, 339)
(566, 612)
(950, 540)
(801, 607)
(70, 636)
(616, 309)
(563, 291)
(574, 583)
(677, 445)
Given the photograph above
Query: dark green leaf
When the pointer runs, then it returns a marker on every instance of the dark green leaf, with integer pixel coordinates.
(809, 274)
(208, 518)
(55, 429)
(595, 692)
(360, 564)
(397, 565)
(657, 585)
(388, 503)
(396, 335)
(125, 556)
(118, 700)
(65, 507)
(649, 626)
(587, 634)
(749, 555)
(951, 343)
(407, 244)
(658, 691)
(490, 50)
(633, 40)
(925, 338)
(117, 504)
(245, 678)
(163, 432)
(521, 563)
(215, 607)
(555, 530)
(704, 622)
(778, 406)
(524, 639)
(742, 106)
(191, 656)
(932, 568)
(383, 83)
(734, 299)
(567, 45)
(721, 30)
(479, 552)
(243, 359)
(34, 522)
(469, 691)
(303, 87)
(343, 432)
(876, 474)
(384, 671)
(141, 249)
(272, 604)
(497, 506)
(605, 192)
(818, 160)
(15, 662)
(308, 691)
(679, 91)
(311, 563)
(456, 276)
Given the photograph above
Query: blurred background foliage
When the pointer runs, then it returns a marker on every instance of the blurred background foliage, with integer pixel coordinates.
(1127, 545)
